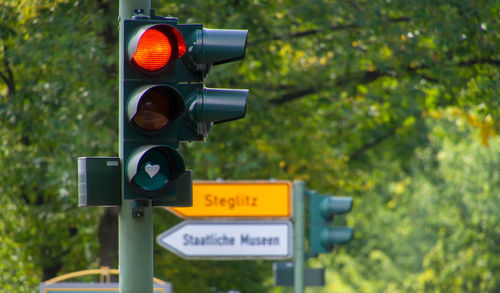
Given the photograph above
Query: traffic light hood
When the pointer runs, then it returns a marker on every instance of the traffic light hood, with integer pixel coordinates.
(219, 105)
(335, 205)
(163, 101)
(335, 235)
(218, 46)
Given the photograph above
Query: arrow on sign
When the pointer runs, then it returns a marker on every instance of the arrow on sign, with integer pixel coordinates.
(229, 240)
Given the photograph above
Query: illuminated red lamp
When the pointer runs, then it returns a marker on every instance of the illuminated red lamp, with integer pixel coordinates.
(153, 48)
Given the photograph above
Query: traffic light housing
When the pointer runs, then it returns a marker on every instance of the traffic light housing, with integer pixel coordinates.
(163, 101)
(322, 210)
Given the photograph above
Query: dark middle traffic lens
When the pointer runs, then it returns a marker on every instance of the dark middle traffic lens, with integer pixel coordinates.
(154, 110)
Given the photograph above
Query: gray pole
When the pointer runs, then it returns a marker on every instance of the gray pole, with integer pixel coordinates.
(298, 238)
(135, 233)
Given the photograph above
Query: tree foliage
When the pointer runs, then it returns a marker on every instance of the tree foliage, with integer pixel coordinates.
(355, 97)
(435, 228)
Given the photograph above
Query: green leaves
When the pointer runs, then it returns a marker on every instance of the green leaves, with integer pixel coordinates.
(432, 226)
(343, 94)
(53, 70)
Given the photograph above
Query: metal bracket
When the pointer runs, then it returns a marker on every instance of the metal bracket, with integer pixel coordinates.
(138, 14)
(138, 208)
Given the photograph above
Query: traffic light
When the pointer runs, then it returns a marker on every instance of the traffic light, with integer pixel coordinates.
(322, 209)
(163, 102)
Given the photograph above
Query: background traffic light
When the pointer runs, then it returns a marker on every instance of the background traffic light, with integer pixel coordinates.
(163, 102)
(322, 210)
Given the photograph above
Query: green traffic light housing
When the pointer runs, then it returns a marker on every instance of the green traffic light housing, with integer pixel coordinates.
(322, 209)
(163, 101)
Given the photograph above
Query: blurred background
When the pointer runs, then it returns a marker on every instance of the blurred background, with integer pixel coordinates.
(393, 102)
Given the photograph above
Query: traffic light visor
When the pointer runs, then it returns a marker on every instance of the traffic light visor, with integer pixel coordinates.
(335, 205)
(152, 48)
(336, 235)
(219, 105)
(218, 46)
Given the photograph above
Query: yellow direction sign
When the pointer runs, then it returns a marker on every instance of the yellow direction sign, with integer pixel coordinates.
(239, 200)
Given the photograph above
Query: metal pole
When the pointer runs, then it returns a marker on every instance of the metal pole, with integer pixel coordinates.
(135, 233)
(298, 239)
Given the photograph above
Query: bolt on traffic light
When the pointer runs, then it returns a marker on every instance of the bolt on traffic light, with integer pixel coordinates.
(322, 210)
(163, 102)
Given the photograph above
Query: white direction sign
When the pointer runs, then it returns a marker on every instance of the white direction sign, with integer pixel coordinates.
(229, 239)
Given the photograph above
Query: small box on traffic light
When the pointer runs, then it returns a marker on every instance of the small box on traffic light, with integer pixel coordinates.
(99, 181)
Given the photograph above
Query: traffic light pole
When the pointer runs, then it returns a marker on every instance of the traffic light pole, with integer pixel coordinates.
(299, 235)
(135, 233)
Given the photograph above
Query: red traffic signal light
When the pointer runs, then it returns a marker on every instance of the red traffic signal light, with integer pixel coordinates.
(154, 47)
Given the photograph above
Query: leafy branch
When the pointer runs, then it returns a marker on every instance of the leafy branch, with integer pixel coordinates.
(368, 76)
(332, 28)
(7, 77)
(373, 143)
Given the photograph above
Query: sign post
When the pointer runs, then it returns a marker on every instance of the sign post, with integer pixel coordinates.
(298, 245)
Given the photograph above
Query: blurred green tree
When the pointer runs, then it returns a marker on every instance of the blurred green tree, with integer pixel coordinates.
(343, 95)
(434, 228)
